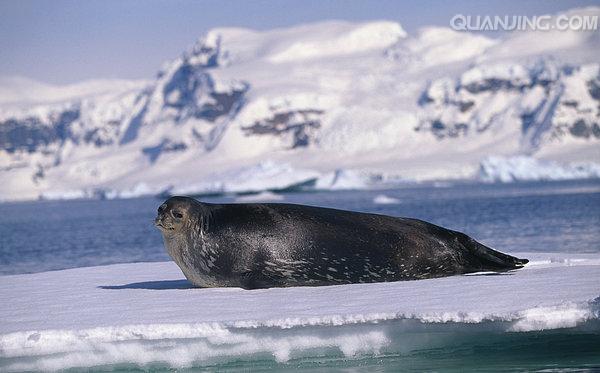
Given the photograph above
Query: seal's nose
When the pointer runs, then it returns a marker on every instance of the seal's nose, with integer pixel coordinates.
(161, 211)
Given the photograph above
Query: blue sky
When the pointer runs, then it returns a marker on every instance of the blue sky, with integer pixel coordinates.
(64, 41)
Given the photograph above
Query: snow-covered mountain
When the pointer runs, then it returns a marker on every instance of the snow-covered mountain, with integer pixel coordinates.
(326, 105)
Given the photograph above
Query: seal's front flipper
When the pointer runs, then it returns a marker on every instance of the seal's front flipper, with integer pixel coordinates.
(257, 280)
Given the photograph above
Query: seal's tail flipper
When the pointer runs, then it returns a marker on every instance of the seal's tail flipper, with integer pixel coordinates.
(486, 258)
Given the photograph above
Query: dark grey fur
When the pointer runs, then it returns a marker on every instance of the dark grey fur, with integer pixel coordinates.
(269, 245)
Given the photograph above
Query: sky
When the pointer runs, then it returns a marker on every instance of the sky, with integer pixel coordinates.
(66, 41)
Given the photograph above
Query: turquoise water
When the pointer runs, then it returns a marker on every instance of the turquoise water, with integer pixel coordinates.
(437, 348)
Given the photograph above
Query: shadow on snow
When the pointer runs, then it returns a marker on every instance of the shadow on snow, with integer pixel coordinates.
(153, 285)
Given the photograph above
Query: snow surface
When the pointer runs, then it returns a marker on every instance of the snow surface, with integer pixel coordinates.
(146, 312)
(20, 91)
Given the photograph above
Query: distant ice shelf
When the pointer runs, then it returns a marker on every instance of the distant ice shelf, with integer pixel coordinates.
(522, 168)
(269, 179)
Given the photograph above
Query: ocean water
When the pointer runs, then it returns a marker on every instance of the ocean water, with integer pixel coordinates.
(551, 217)
(525, 217)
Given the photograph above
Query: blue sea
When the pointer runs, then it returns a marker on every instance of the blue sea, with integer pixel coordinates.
(540, 217)
(557, 217)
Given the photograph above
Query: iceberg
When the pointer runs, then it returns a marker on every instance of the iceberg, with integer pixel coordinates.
(523, 168)
(382, 199)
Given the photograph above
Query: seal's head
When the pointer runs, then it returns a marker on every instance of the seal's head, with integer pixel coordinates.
(175, 214)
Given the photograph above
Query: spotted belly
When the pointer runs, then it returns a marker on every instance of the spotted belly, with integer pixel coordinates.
(330, 270)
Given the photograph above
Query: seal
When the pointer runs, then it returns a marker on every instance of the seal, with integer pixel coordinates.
(259, 245)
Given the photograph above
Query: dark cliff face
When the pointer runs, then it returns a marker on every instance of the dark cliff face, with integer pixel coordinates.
(190, 88)
(192, 92)
(583, 123)
(594, 88)
(31, 134)
(299, 125)
(103, 135)
(166, 146)
(185, 93)
(455, 113)
(586, 130)
(186, 90)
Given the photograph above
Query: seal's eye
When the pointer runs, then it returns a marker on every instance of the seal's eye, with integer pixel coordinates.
(177, 214)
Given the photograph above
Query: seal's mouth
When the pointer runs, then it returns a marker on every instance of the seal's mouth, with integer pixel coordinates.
(159, 224)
